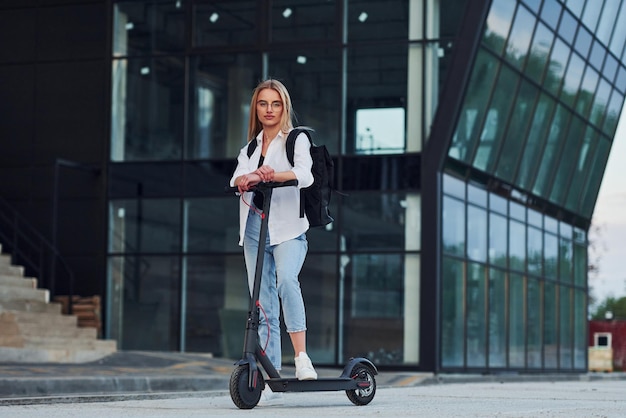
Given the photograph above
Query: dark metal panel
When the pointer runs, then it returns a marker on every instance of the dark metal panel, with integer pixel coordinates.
(433, 159)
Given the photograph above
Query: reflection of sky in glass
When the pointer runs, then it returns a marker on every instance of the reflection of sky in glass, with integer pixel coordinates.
(380, 131)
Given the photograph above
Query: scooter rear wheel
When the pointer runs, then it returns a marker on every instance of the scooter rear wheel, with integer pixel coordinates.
(240, 393)
(362, 396)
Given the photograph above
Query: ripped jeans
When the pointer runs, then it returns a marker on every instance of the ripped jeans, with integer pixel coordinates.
(281, 266)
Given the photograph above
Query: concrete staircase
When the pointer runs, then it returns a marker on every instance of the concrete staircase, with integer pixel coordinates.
(33, 330)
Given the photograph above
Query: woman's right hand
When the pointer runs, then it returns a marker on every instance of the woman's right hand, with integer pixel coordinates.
(246, 181)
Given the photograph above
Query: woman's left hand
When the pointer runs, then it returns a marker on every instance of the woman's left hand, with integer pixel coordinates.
(265, 173)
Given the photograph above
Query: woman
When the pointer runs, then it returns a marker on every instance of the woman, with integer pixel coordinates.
(269, 124)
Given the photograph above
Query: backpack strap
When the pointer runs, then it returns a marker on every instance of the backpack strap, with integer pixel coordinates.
(291, 141)
(251, 147)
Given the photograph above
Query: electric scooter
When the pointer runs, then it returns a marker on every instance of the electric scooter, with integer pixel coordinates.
(246, 382)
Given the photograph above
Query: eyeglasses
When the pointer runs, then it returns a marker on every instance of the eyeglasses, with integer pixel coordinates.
(275, 105)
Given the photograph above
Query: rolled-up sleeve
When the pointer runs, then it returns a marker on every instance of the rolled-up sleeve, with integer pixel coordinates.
(302, 161)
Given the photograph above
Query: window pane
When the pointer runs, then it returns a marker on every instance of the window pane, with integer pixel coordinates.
(551, 253)
(497, 318)
(498, 24)
(453, 226)
(469, 123)
(565, 329)
(476, 310)
(519, 122)
(371, 19)
(203, 233)
(539, 51)
(619, 34)
(216, 287)
(533, 311)
(535, 251)
(519, 39)
(550, 12)
(591, 14)
(576, 6)
(296, 22)
(374, 221)
(607, 21)
(556, 67)
(550, 325)
(376, 295)
(226, 22)
(595, 177)
(453, 186)
(600, 103)
(318, 280)
(453, 313)
(567, 27)
(497, 240)
(219, 104)
(496, 120)
(580, 264)
(610, 67)
(145, 295)
(581, 170)
(476, 233)
(567, 161)
(598, 52)
(517, 246)
(148, 27)
(145, 225)
(572, 79)
(517, 313)
(580, 330)
(377, 81)
(613, 113)
(477, 195)
(587, 91)
(550, 153)
(583, 42)
(147, 110)
(538, 129)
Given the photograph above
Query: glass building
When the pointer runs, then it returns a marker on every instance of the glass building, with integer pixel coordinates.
(470, 140)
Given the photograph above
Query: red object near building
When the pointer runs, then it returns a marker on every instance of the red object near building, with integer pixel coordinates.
(610, 334)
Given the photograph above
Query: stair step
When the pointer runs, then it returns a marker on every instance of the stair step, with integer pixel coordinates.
(52, 355)
(19, 293)
(12, 270)
(5, 259)
(30, 306)
(60, 342)
(45, 330)
(41, 318)
(9, 280)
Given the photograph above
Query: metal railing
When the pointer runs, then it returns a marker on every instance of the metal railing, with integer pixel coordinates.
(30, 249)
(39, 256)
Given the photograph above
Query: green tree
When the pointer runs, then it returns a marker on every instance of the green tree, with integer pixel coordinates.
(611, 304)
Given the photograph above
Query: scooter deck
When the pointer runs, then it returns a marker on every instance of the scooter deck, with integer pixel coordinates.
(322, 384)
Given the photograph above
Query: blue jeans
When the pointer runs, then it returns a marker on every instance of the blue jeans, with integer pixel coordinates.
(281, 265)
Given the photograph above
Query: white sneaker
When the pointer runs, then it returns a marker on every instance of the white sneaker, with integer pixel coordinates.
(269, 398)
(304, 367)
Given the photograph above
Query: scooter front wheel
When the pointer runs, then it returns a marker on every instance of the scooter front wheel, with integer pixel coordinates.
(365, 376)
(242, 396)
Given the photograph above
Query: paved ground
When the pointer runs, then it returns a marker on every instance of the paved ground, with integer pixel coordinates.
(572, 399)
(197, 382)
(134, 372)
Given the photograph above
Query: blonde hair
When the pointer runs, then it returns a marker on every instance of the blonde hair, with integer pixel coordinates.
(286, 123)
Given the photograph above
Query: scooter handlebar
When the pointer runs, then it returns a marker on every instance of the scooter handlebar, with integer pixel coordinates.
(265, 185)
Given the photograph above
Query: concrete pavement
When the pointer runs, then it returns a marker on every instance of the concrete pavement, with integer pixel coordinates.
(149, 375)
(571, 399)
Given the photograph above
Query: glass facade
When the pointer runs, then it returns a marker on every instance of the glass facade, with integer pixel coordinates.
(519, 174)
(182, 77)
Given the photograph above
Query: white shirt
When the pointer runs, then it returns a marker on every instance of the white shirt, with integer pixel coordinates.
(284, 222)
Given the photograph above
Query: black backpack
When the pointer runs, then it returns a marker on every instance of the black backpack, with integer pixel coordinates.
(314, 200)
